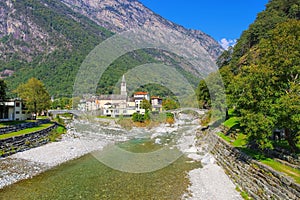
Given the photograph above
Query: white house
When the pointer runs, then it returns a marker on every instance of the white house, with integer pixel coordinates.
(139, 97)
(13, 109)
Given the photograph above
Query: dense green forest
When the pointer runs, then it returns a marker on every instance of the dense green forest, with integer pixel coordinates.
(73, 37)
(261, 76)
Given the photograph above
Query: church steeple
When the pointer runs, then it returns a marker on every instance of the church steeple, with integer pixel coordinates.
(123, 87)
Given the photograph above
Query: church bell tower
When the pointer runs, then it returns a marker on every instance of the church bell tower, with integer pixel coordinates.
(123, 87)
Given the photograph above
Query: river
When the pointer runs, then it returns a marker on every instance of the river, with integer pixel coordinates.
(156, 165)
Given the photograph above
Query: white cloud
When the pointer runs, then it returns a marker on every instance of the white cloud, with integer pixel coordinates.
(226, 43)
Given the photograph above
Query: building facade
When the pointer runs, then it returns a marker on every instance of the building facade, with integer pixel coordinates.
(13, 110)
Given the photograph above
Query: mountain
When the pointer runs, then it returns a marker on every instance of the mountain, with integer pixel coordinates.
(49, 39)
(120, 15)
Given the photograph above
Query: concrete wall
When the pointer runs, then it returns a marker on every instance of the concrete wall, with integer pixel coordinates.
(20, 143)
(258, 180)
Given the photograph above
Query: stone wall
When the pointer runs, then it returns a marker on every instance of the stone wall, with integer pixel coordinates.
(23, 142)
(18, 127)
(281, 154)
(255, 178)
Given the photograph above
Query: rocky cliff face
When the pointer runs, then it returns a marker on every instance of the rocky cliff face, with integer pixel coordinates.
(19, 35)
(23, 38)
(120, 15)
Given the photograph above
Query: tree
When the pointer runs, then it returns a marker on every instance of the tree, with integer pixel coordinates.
(145, 104)
(203, 95)
(3, 88)
(35, 96)
(169, 104)
(211, 94)
(265, 91)
(289, 115)
(280, 52)
(225, 57)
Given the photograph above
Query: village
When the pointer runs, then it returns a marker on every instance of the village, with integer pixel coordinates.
(116, 105)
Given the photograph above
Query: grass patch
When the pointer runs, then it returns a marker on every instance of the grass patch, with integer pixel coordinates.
(231, 112)
(42, 117)
(26, 131)
(224, 137)
(56, 133)
(240, 141)
(287, 170)
(243, 193)
(231, 122)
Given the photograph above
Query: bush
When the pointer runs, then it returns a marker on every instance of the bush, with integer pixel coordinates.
(136, 117)
(170, 118)
(56, 133)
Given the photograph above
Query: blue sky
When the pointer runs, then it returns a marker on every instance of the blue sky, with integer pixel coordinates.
(220, 19)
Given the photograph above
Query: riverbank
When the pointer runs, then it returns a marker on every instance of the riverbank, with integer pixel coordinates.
(26, 164)
(210, 181)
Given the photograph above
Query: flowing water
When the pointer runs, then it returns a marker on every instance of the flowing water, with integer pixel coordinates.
(88, 178)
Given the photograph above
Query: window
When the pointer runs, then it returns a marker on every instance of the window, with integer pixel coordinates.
(17, 104)
(17, 112)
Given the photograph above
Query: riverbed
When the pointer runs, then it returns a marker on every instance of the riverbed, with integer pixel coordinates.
(65, 170)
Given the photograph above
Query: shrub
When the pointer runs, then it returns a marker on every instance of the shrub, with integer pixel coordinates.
(136, 117)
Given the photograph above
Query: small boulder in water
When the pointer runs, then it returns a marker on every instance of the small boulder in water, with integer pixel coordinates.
(157, 141)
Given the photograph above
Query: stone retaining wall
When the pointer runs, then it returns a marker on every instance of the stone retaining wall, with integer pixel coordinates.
(255, 178)
(23, 142)
(19, 127)
(292, 159)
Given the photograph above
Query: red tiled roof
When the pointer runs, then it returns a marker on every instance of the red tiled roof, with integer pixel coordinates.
(141, 93)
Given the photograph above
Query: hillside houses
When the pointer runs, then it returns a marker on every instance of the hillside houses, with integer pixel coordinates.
(120, 104)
